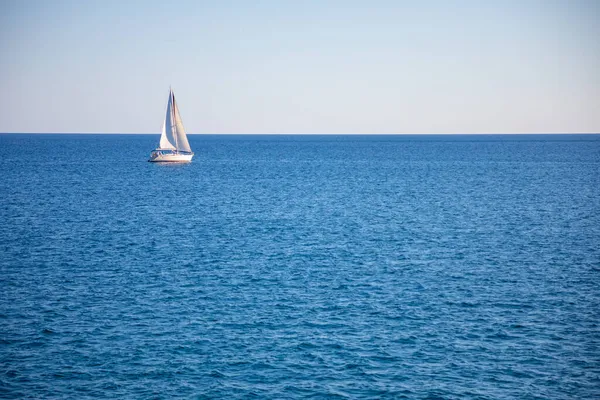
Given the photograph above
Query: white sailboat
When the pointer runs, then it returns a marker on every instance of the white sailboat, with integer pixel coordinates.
(174, 145)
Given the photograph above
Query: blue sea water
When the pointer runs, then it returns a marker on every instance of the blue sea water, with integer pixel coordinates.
(271, 267)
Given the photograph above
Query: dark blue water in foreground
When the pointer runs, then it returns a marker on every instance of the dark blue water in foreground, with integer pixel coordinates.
(440, 267)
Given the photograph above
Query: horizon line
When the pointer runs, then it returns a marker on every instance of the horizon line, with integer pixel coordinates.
(305, 134)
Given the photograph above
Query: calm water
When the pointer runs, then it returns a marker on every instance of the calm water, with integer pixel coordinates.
(450, 267)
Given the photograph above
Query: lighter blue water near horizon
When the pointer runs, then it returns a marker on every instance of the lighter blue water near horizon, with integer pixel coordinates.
(309, 266)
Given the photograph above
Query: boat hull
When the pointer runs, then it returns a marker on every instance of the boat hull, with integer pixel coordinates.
(171, 158)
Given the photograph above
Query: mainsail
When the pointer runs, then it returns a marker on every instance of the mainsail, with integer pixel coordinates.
(173, 135)
(180, 136)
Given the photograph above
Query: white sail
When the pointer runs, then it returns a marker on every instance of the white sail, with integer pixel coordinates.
(167, 137)
(181, 137)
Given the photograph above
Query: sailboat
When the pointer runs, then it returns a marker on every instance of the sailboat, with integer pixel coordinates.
(174, 145)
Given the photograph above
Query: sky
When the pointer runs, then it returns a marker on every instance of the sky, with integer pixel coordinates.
(310, 66)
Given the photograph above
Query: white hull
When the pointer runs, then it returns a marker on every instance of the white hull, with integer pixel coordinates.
(179, 158)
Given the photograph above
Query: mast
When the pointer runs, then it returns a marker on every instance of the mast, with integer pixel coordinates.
(173, 122)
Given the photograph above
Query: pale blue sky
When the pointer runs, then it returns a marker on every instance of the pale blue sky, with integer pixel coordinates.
(528, 66)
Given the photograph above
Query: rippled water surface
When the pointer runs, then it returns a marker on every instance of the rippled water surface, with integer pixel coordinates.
(450, 267)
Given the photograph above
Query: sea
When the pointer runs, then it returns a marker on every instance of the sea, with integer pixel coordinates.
(300, 266)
